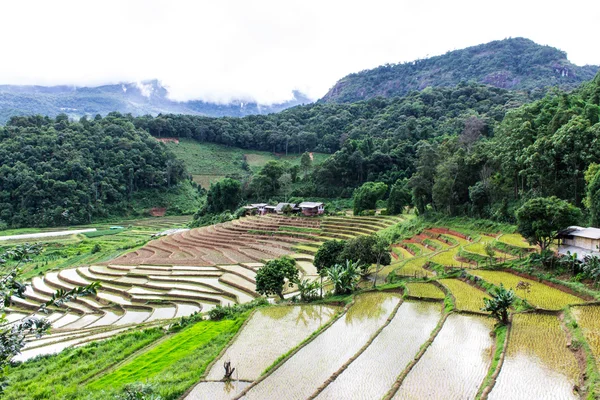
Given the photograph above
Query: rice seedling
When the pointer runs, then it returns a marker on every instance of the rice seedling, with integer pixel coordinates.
(455, 364)
(446, 258)
(329, 351)
(588, 319)
(414, 267)
(428, 290)
(468, 298)
(256, 347)
(539, 295)
(514, 239)
(538, 364)
(413, 324)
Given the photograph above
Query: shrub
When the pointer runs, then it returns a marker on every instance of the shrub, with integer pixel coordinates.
(232, 311)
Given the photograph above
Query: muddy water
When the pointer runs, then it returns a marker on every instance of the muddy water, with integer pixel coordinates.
(455, 364)
(258, 346)
(216, 390)
(538, 365)
(308, 369)
(372, 374)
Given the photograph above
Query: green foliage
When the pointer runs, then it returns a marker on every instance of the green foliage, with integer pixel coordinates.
(540, 219)
(173, 365)
(592, 200)
(138, 391)
(94, 169)
(365, 197)
(63, 375)
(270, 279)
(515, 63)
(344, 277)
(224, 195)
(329, 254)
(499, 304)
(400, 197)
(233, 311)
(367, 250)
(305, 163)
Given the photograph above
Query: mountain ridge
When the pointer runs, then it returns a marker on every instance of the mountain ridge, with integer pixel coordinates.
(514, 63)
(137, 98)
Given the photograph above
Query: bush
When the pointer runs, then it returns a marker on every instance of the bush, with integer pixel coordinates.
(367, 213)
(232, 311)
(139, 391)
(384, 211)
(97, 248)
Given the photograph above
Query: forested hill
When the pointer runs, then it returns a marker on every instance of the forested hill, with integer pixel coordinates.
(516, 63)
(56, 172)
(135, 98)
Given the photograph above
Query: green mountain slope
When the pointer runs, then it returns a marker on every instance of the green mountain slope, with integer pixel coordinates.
(516, 63)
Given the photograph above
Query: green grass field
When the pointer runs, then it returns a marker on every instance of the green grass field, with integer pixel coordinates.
(209, 162)
(174, 364)
(61, 376)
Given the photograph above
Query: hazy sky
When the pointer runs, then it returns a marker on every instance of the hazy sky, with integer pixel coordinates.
(263, 50)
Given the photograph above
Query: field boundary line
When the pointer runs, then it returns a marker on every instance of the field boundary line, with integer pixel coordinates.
(312, 337)
(218, 357)
(337, 373)
(390, 394)
(484, 391)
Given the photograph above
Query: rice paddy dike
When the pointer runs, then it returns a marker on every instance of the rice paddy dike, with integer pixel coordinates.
(420, 336)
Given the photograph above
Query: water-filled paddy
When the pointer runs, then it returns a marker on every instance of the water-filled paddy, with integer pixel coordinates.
(271, 332)
(216, 390)
(538, 364)
(372, 374)
(311, 366)
(455, 364)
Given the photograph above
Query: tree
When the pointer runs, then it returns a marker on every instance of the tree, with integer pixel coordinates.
(540, 219)
(400, 197)
(12, 337)
(365, 197)
(329, 254)
(224, 195)
(592, 200)
(270, 279)
(499, 304)
(305, 163)
(381, 250)
(366, 250)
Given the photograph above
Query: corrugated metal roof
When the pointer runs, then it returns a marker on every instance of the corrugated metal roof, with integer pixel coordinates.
(578, 231)
(309, 204)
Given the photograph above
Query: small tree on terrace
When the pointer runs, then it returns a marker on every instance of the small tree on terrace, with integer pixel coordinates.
(540, 219)
(366, 196)
(328, 255)
(270, 279)
(367, 250)
(499, 304)
(399, 198)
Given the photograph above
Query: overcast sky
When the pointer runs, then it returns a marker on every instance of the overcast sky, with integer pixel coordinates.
(262, 50)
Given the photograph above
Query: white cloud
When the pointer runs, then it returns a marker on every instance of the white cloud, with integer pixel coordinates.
(262, 50)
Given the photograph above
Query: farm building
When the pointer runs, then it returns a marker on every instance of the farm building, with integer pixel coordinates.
(279, 207)
(579, 240)
(309, 208)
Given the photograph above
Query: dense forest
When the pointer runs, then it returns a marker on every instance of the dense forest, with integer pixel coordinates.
(59, 172)
(516, 63)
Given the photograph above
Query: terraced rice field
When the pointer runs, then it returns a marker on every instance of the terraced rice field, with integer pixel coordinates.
(468, 298)
(448, 259)
(424, 290)
(455, 364)
(538, 365)
(217, 390)
(540, 295)
(177, 275)
(323, 356)
(414, 268)
(588, 318)
(256, 347)
(514, 239)
(372, 374)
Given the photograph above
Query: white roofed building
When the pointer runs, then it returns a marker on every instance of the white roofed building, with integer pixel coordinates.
(579, 240)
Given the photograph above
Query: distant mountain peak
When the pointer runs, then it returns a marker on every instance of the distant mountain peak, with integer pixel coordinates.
(137, 98)
(514, 63)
